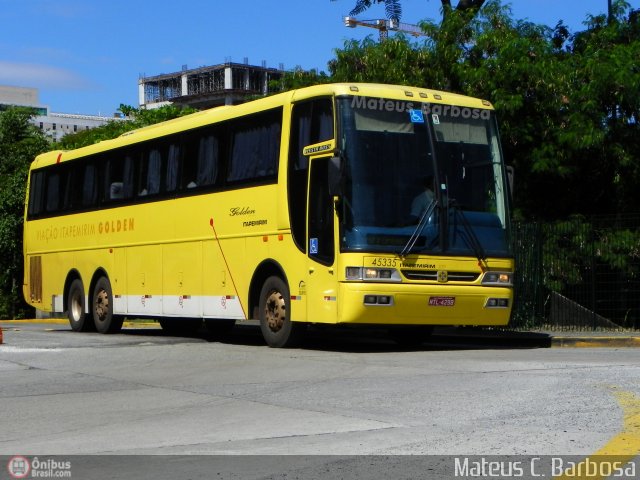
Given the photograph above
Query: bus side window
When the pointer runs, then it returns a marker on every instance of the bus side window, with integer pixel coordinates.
(53, 192)
(114, 186)
(207, 162)
(67, 186)
(35, 193)
(150, 173)
(174, 159)
(154, 172)
(89, 186)
(255, 147)
(128, 181)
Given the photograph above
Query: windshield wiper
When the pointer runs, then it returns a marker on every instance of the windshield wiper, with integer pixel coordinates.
(424, 219)
(471, 239)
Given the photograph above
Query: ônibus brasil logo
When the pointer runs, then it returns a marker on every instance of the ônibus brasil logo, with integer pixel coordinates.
(19, 467)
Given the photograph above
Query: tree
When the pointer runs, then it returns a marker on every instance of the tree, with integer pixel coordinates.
(20, 142)
(568, 104)
(137, 118)
(393, 8)
(298, 78)
(605, 99)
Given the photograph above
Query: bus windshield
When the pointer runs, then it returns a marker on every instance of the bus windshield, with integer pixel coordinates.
(422, 178)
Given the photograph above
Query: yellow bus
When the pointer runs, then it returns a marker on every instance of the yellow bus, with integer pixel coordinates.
(334, 204)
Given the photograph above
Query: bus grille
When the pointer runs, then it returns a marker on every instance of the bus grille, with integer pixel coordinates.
(432, 275)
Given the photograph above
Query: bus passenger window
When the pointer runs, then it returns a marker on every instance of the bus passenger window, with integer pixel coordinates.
(207, 167)
(35, 193)
(255, 147)
(89, 187)
(150, 173)
(173, 168)
(67, 189)
(127, 177)
(154, 172)
(53, 192)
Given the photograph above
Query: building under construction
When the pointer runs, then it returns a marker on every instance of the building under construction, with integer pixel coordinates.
(206, 87)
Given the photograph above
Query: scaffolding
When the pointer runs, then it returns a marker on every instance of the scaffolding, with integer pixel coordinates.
(205, 87)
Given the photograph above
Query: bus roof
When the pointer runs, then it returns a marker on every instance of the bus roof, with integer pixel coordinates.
(217, 114)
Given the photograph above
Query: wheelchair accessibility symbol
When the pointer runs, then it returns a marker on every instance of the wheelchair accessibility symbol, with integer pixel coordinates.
(313, 246)
(416, 116)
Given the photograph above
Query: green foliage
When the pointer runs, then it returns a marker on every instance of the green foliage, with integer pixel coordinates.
(393, 8)
(568, 104)
(573, 238)
(298, 78)
(20, 142)
(582, 258)
(393, 61)
(134, 118)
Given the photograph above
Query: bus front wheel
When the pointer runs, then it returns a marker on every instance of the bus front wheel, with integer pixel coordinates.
(275, 316)
(102, 308)
(75, 308)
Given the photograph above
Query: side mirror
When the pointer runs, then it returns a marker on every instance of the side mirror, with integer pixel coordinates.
(334, 176)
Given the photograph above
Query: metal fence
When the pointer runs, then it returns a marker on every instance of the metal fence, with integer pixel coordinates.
(578, 274)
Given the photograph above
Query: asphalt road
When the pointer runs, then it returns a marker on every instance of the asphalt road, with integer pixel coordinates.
(145, 393)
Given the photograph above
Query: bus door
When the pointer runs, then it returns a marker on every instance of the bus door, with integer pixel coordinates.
(322, 282)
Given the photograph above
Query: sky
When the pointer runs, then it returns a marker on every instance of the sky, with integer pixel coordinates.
(86, 56)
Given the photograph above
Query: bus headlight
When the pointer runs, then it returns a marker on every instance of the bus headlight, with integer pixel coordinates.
(498, 279)
(373, 274)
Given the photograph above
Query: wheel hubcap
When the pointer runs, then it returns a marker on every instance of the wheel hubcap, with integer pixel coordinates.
(102, 305)
(275, 311)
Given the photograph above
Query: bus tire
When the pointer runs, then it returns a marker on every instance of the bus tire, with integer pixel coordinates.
(75, 308)
(102, 308)
(275, 315)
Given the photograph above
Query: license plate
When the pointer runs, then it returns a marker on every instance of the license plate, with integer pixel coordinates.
(442, 301)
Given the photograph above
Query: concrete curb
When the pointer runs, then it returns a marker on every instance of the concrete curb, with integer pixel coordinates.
(532, 339)
(595, 342)
(64, 321)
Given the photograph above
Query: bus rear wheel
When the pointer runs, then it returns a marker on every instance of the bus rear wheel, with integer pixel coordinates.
(75, 308)
(275, 316)
(102, 308)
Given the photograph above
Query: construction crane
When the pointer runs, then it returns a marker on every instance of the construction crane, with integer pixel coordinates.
(384, 26)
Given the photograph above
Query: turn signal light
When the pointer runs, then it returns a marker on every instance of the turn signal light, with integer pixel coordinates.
(502, 279)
